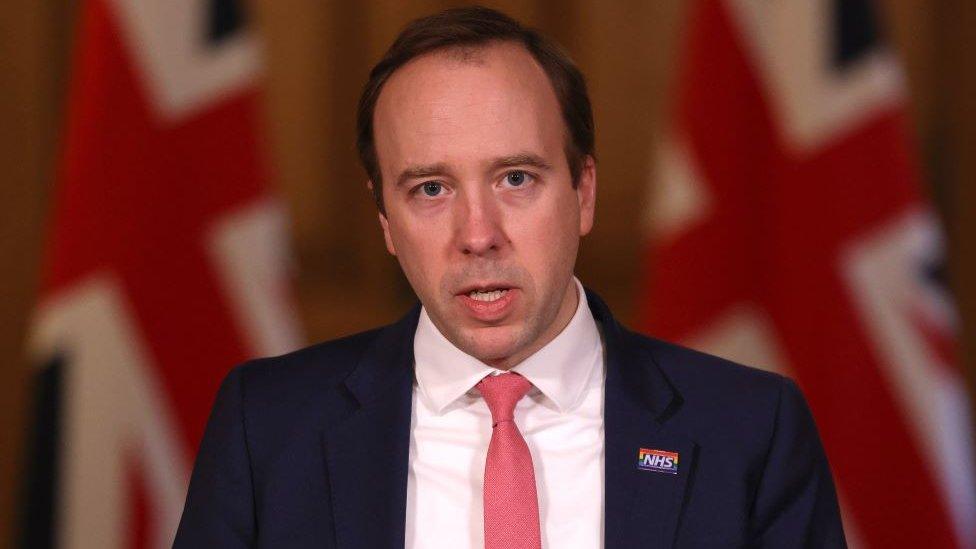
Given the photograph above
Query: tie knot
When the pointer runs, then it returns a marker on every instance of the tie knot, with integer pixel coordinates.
(502, 392)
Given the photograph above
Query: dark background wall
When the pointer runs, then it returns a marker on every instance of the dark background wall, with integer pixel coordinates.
(318, 55)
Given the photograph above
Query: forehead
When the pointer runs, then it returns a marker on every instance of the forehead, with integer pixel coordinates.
(462, 106)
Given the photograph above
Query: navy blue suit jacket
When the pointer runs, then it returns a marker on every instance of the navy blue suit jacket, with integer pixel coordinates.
(310, 450)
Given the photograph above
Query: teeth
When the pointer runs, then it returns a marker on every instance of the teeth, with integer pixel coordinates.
(487, 296)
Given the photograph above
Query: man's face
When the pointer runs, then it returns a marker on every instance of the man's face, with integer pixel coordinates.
(480, 208)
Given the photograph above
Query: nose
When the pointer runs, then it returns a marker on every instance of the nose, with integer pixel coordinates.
(478, 224)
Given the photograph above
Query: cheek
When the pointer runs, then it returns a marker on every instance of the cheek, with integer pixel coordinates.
(419, 248)
(547, 238)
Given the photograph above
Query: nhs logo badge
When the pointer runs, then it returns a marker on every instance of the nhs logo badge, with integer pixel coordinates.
(657, 460)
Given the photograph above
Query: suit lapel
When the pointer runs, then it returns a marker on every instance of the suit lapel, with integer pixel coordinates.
(367, 452)
(642, 507)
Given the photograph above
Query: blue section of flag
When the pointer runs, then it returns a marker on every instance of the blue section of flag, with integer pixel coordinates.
(225, 18)
(856, 31)
(40, 481)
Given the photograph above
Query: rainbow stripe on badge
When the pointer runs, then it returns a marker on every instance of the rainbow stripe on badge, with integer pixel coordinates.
(657, 460)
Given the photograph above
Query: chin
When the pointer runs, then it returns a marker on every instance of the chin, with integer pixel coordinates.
(490, 344)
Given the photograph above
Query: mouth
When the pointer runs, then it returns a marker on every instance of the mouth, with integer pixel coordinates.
(488, 302)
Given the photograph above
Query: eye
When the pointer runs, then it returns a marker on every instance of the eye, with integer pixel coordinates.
(516, 178)
(432, 188)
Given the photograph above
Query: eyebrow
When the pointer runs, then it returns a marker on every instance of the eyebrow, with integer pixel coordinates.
(418, 172)
(440, 169)
(521, 159)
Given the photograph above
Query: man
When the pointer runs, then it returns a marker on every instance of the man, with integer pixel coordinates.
(510, 409)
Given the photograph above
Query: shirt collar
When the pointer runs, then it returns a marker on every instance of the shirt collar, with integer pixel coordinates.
(560, 370)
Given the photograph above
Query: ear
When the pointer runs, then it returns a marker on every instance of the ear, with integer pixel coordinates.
(586, 194)
(384, 223)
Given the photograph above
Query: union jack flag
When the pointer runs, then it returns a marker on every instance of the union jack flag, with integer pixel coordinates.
(789, 231)
(165, 267)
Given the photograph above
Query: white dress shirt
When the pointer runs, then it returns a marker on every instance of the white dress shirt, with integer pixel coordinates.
(561, 419)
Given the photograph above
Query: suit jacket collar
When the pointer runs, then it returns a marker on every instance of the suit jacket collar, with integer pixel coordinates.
(387, 362)
(631, 372)
(367, 452)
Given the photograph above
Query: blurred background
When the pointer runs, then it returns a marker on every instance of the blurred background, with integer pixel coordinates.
(791, 184)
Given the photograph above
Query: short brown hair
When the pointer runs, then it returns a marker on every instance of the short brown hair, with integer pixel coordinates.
(470, 27)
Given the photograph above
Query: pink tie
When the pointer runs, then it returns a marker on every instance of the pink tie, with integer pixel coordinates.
(511, 505)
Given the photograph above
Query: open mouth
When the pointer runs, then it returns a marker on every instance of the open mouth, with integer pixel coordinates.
(488, 301)
(488, 295)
